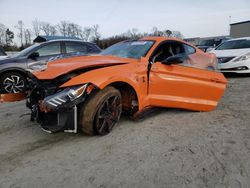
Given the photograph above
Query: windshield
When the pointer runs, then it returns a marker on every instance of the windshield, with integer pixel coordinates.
(129, 49)
(25, 51)
(234, 44)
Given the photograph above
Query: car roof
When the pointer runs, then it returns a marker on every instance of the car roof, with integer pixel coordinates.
(161, 39)
(65, 40)
(44, 38)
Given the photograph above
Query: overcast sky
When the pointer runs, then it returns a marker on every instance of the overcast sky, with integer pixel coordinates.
(196, 18)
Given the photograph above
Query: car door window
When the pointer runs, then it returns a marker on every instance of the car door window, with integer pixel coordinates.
(75, 47)
(50, 49)
(189, 49)
(168, 49)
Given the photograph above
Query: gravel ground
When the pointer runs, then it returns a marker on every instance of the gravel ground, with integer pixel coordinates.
(170, 148)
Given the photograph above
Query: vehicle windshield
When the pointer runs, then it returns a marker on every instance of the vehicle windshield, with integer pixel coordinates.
(25, 51)
(234, 44)
(129, 49)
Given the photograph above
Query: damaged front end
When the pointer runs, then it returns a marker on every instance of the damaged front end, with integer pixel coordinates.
(55, 108)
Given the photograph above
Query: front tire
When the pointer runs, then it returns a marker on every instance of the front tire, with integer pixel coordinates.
(12, 82)
(101, 112)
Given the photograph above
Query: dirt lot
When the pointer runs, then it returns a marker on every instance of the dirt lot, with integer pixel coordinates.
(171, 148)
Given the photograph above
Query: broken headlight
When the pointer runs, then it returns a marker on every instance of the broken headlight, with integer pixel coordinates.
(64, 97)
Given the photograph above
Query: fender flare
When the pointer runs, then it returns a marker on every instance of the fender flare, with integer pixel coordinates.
(126, 81)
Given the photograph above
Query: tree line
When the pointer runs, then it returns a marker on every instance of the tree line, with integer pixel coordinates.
(70, 29)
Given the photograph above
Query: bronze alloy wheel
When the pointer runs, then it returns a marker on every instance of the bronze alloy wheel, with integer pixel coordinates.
(108, 114)
(101, 112)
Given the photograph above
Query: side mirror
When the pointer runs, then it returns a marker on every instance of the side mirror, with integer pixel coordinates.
(33, 55)
(176, 59)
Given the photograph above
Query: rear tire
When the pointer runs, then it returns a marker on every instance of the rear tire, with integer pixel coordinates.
(101, 112)
(12, 82)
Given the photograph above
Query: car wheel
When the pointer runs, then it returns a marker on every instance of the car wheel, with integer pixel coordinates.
(12, 82)
(101, 112)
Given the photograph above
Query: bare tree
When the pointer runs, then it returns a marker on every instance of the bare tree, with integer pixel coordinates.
(48, 29)
(9, 35)
(86, 33)
(177, 34)
(36, 24)
(154, 31)
(27, 36)
(70, 29)
(166, 33)
(53, 30)
(157, 32)
(45, 27)
(78, 30)
(2, 33)
(133, 33)
(74, 30)
(95, 32)
(62, 28)
(20, 27)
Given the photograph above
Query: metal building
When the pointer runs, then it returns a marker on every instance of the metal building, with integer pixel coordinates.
(240, 29)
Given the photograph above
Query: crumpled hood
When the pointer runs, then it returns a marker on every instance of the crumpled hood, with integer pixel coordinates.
(230, 53)
(63, 66)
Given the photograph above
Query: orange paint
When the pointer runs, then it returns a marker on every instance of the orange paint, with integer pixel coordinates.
(175, 86)
(12, 97)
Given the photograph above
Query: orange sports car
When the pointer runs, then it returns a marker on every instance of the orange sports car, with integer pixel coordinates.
(91, 92)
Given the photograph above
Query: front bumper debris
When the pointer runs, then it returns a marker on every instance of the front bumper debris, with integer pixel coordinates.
(58, 111)
(56, 121)
(12, 97)
(54, 108)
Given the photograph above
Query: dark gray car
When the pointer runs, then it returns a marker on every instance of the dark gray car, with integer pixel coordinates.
(13, 76)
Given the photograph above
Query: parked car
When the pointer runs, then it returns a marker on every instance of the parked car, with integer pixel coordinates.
(2, 53)
(234, 55)
(209, 44)
(91, 92)
(13, 77)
